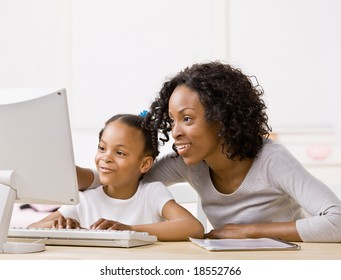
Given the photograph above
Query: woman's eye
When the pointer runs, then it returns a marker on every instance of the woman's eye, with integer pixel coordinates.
(187, 119)
(171, 121)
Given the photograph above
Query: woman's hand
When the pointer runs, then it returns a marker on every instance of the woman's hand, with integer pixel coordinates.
(232, 231)
(108, 224)
(282, 230)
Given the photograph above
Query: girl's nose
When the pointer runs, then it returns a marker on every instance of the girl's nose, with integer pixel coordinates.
(106, 159)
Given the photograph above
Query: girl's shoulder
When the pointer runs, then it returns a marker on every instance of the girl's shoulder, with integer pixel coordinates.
(151, 185)
(153, 189)
(92, 192)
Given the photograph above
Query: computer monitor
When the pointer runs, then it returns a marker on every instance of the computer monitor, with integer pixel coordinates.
(36, 159)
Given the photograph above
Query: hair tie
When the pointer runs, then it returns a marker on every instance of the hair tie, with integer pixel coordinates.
(143, 114)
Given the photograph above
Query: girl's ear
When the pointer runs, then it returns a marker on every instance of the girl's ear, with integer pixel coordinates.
(147, 163)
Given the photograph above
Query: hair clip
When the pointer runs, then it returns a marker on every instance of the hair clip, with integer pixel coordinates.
(143, 114)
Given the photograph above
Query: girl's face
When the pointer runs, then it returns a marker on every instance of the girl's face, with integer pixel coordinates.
(194, 138)
(120, 160)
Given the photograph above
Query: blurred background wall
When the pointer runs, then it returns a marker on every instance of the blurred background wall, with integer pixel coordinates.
(113, 56)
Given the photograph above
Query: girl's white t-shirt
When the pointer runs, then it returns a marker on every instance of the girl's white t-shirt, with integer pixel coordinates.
(144, 207)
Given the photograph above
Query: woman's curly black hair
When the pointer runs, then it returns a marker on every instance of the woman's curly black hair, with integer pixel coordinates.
(151, 146)
(229, 98)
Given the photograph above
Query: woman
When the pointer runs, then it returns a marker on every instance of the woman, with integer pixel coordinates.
(249, 185)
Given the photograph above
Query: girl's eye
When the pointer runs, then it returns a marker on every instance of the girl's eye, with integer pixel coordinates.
(120, 153)
(187, 119)
(101, 149)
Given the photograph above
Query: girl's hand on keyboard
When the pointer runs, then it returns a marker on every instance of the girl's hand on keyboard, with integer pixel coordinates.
(108, 224)
(68, 223)
(56, 220)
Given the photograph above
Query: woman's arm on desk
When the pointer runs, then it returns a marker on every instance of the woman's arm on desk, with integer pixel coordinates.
(284, 231)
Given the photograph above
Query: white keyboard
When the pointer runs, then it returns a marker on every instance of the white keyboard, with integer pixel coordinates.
(81, 237)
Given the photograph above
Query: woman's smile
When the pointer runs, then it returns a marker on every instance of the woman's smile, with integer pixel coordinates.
(182, 148)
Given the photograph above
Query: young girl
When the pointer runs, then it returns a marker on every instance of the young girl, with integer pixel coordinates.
(126, 151)
(249, 185)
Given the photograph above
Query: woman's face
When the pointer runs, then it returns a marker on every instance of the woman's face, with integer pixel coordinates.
(194, 138)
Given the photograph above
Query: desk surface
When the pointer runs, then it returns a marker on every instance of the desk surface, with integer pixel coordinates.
(178, 251)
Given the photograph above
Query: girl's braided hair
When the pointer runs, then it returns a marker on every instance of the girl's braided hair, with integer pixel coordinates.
(151, 146)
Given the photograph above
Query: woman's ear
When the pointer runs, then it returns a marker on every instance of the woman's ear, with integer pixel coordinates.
(147, 163)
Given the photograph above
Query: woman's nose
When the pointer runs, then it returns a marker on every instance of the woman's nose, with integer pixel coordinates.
(176, 131)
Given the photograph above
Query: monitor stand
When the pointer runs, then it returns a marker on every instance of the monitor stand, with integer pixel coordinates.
(7, 199)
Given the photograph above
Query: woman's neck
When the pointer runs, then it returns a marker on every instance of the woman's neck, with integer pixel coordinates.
(227, 175)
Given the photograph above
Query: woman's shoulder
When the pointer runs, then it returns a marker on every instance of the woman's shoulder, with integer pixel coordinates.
(275, 153)
(171, 168)
(273, 148)
(170, 158)
(173, 161)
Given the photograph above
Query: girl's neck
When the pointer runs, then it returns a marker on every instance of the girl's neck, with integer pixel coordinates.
(120, 192)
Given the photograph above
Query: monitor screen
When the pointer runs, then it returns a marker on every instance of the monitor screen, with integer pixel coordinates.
(36, 155)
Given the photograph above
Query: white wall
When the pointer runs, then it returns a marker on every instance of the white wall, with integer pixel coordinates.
(34, 44)
(294, 49)
(123, 50)
(113, 56)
